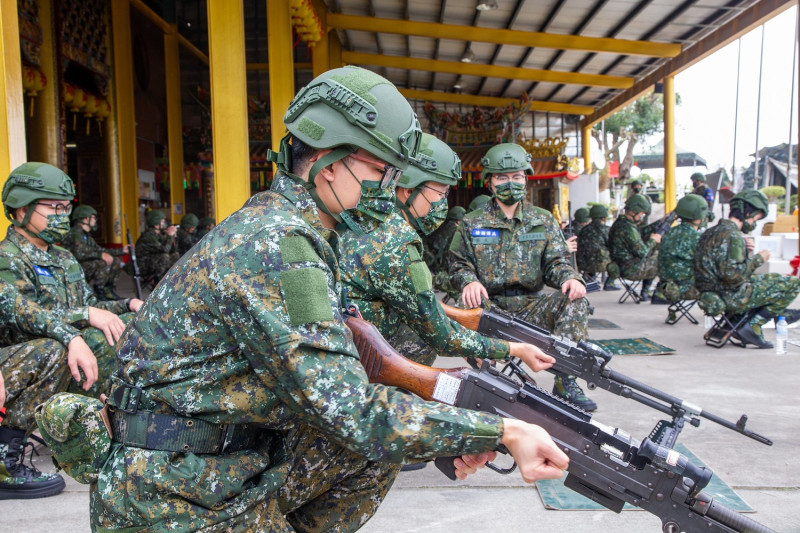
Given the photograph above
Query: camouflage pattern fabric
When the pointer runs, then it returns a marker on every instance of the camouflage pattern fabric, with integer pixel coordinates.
(593, 255)
(74, 430)
(637, 259)
(247, 329)
(676, 260)
(436, 246)
(724, 265)
(706, 192)
(519, 255)
(89, 255)
(385, 276)
(155, 254)
(185, 240)
(577, 227)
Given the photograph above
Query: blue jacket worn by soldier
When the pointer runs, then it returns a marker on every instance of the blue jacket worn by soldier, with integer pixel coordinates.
(156, 247)
(724, 265)
(677, 249)
(100, 265)
(47, 296)
(514, 257)
(245, 347)
(636, 258)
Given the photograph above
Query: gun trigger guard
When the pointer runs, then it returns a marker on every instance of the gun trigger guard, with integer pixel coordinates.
(501, 470)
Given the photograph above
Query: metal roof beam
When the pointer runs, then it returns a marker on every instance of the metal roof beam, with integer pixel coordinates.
(501, 36)
(492, 71)
(493, 101)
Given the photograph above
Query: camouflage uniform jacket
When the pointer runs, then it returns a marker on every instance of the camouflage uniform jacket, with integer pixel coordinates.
(626, 245)
(385, 276)
(436, 245)
(523, 253)
(54, 280)
(593, 255)
(676, 255)
(151, 243)
(722, 261)
(247, 328)
(185, 240)
(29, 318)
(706, 192)
(84, 247)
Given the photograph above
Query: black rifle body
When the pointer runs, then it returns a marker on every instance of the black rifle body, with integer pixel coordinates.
(137, 278)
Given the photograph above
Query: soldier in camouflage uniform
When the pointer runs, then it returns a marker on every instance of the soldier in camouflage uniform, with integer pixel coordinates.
(509, 249)
(724, 264)
(580, 220)
(205, 225)
(156, 249)
(187, 234)
(676, 251)
(593, 256)
(101, 266)
(45, 295)
(244, 349)
(703, 190)
(636, 259)
(436, 245)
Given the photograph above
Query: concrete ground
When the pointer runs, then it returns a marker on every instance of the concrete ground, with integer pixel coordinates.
(727, 382)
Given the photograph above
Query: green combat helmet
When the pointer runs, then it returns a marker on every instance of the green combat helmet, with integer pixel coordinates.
(478, 202)
(34, 181)
(81, 212)
(189, 221)
(698, 176)
(456, 213)
(506, 157)
(598, 211)
(154, 218)
(582, 214)
(692, 207)
(637, 204)
(436, 161)
(749, 202)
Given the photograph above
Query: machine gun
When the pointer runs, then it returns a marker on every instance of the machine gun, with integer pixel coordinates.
(137, 278)
(663, 226)
(605, 464)
(590, 363)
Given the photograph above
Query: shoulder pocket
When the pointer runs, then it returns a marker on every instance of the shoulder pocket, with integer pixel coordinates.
(305, 292)
(420, 277)
(74, 273)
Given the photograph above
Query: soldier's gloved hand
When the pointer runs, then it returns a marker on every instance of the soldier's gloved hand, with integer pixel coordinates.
(469, 464)
(108, 323)
(107, 259)
(473, 294)
(532, 356)
(80, 356)
(535, 453)
(574, 288)
(572, 244)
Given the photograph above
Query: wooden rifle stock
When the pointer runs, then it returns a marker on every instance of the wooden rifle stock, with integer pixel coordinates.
(469, 318)
(386, 366)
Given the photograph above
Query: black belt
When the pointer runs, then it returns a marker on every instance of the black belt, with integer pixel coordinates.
(172, 433)
(513, 292)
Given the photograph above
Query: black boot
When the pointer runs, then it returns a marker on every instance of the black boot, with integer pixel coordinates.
(609, 285)
(645, 294)
(791, 315)
(748, 335)
(568, 389)
(20, 481)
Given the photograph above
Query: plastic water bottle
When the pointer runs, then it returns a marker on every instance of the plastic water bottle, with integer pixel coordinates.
(781, 336)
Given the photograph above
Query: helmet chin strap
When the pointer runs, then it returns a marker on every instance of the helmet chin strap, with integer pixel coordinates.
(335, 155)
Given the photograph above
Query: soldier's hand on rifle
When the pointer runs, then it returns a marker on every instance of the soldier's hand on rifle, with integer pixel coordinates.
(574, 288)
(572, 244)
(656, 237)
(535, 453)
(80, 356)
(107, 259)
(532, 356)
(473, 294)
(108, 323)
(469, 464)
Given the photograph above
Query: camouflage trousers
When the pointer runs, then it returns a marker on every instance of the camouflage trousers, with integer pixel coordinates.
(552, 311)
(773, 292)
(37, 369)
(314, 486)
(99, 274)
(646, 268)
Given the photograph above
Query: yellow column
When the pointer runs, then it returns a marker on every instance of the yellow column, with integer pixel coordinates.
(586, 145)
(281, 66)
(670, 157)
(172, 75)
(124, 116)
(12, 107)
(320, 60)
(44, 145)
(334, 50)
(228, 105)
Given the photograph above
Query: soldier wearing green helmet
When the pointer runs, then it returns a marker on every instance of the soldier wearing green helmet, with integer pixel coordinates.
(246, 333)
(156, 247)
(205, 225)
(100, 265)
(509, 249)
(593, 254)
(187, 233)
(677, 250)
(704, 191)
(53, 325)
(724, 263)
(580, 220)
(637, 258)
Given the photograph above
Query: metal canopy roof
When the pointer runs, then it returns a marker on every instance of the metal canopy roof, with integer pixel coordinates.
(568, 56)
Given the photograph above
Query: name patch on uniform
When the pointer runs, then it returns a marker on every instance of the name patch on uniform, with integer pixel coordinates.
(532, 237)
(485, 236)
(42, 271)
